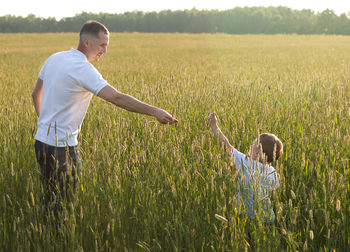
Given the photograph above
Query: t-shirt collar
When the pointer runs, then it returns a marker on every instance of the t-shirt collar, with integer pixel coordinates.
(79, 53)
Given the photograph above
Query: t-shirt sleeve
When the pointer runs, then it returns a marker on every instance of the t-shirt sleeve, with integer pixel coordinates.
(237, 158)
(43, 70)
(92, 80)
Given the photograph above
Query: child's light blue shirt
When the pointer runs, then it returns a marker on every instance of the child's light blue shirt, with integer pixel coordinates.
(254, 184)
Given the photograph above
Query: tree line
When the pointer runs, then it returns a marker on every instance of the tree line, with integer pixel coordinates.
(240, 20)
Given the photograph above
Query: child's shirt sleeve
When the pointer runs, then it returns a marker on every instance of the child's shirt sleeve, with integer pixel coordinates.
(237, 158)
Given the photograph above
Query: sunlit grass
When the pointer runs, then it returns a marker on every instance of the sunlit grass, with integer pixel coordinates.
(152, 187)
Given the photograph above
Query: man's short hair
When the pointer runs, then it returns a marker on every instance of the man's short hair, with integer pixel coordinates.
(92, 28)
(271, 146)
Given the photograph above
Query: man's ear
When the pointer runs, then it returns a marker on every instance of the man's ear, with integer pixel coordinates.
(86, 42)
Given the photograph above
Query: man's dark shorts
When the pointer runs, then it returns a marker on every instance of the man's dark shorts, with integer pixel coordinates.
(59, 168)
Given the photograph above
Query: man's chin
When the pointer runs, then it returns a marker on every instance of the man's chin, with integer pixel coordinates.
(97, 57)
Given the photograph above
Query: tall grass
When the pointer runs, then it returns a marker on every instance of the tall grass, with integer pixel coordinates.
(146, 186)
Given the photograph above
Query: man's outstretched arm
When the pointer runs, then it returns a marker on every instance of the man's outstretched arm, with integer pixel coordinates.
(213, 123)
(37, 91)
(130, 103)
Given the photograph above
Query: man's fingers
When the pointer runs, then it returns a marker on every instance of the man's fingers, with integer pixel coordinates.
(171, 120)
(168, 120)
(165, 118)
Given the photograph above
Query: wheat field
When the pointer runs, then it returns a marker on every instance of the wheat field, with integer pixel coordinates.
(150, 187)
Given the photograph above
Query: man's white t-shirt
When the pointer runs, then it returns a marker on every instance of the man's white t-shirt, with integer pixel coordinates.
(69, 81)
(255, 182)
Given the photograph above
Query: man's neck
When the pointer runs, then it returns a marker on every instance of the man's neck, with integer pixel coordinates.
(83, 50)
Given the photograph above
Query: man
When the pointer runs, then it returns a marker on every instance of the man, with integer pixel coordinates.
(61, 97)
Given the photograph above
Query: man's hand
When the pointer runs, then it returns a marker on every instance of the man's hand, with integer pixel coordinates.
(212, 119)
(164, 117)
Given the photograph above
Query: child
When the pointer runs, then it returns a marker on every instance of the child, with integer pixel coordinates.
(256, 176)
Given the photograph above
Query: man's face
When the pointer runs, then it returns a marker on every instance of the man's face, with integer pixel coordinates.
(96, 47)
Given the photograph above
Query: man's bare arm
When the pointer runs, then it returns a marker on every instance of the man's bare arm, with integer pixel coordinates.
(37, 91)
(130, 103)
(212, 120)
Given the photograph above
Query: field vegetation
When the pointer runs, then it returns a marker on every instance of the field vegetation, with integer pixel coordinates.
(150, 187)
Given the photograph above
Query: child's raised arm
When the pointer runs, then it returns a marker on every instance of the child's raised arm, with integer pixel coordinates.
(213, 123)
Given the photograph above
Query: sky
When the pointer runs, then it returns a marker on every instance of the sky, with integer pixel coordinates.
(69, 8)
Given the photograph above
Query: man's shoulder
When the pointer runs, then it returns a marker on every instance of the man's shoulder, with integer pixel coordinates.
(72, 58)
(72, 53)
(56, 56)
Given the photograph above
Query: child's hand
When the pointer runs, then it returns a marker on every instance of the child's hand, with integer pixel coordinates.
(212, 119)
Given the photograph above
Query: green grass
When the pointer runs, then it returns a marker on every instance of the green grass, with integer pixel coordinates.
(146, 186)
